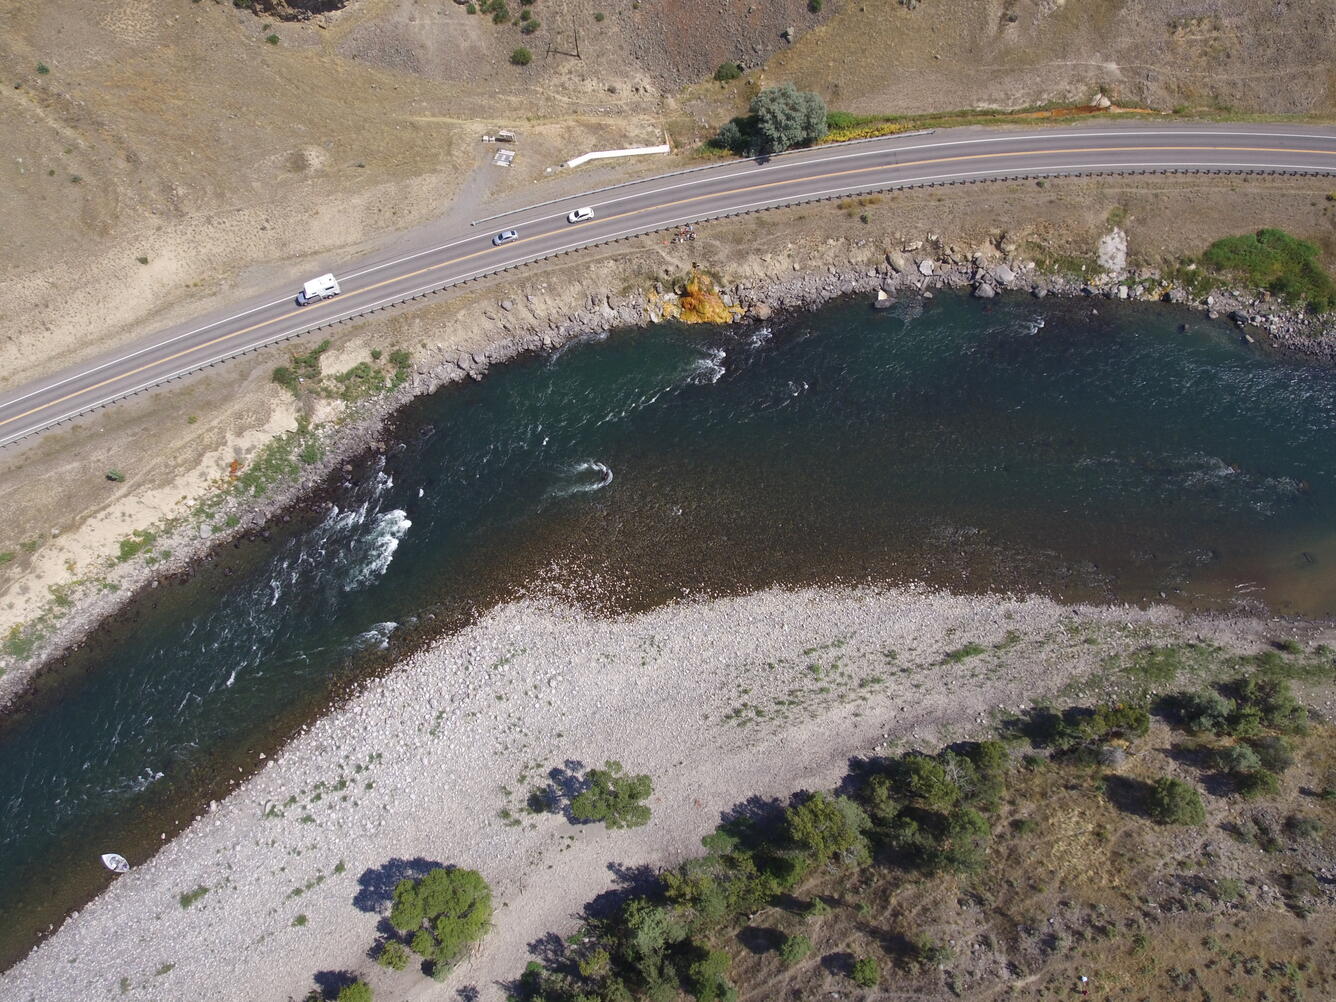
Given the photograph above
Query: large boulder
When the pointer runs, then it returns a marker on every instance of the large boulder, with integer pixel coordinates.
(925, 267)
(898, 262)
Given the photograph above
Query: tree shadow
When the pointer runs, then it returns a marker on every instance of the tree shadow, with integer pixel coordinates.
(639, 879)
(755, 810)
(549, 950)
(566, 782)
(330, 983)
(376, 885)
(759, 939)
(469, 993)
(628, 882)
(1128, 795)
(839, 964)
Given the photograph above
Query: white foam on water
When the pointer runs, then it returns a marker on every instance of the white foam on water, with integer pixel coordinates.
(376, 550)
(582, 478)
(378, 637)
(709, 369)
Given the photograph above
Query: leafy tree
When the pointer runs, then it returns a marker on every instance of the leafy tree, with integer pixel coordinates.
(614, 797)
(825, 828)
(1173, 802)
(924, 780)
(787, 117)
(447, 910)
(358, 991)
(866, 973)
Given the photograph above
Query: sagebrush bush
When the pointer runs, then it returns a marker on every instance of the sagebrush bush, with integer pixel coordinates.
(1173, 802)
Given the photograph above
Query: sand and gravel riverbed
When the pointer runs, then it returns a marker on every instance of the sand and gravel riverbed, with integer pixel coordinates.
(719, 700)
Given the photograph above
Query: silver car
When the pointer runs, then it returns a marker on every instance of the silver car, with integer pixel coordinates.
(504, 237)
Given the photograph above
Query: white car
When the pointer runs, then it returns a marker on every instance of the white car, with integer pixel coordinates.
(317, 289)
(580, 215)
(504, 237)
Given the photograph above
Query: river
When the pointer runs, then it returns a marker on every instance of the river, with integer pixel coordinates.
(1015, 445)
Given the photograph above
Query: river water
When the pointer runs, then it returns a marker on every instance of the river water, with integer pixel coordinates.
(1018, 444)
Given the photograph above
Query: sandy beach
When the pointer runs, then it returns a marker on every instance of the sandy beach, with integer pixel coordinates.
(718, 700)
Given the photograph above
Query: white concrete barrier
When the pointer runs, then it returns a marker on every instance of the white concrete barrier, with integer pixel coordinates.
(584, 158)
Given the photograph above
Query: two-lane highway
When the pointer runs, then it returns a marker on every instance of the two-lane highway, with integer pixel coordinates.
(950, 157)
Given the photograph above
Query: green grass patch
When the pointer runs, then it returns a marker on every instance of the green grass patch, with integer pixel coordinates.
(1284, 265)
(301, 368)
(188, 898)
(136, 543)
(970, 650)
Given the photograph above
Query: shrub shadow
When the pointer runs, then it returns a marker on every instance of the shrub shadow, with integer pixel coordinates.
(1128, 795)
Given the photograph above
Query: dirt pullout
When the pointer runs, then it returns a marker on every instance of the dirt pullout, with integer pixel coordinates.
(65, 521)
(717, 700)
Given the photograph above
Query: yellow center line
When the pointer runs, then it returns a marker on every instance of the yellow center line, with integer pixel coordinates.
(656, 208)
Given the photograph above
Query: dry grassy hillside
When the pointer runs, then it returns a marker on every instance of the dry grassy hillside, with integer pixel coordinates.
(1246, 55)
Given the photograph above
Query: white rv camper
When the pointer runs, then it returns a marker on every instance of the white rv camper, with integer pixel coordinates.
(317, 289)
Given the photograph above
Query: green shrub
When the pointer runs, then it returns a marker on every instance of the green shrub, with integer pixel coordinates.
(794, 949)
(392, 955)
(970, 650)
(1257, 783)
(814, 6)
(43, 69)
(727, 71)
(614, 797)
(1205, 712)
(500, 13)
(599, 16)
(115, 476)
(470, 8)
(866, 973)
(272, 39)
(1303, 827)
(817, 908)
(1173, 802)
(529, 27)
(358, 991)
(521, 57)
(1236, 758)
(1274, 753)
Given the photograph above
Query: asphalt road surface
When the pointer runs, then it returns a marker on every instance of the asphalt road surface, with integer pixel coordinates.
(955, 156)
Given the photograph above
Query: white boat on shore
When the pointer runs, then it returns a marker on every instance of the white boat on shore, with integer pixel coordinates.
(115, 862)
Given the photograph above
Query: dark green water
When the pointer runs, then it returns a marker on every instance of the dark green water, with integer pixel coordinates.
(1017, 445)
